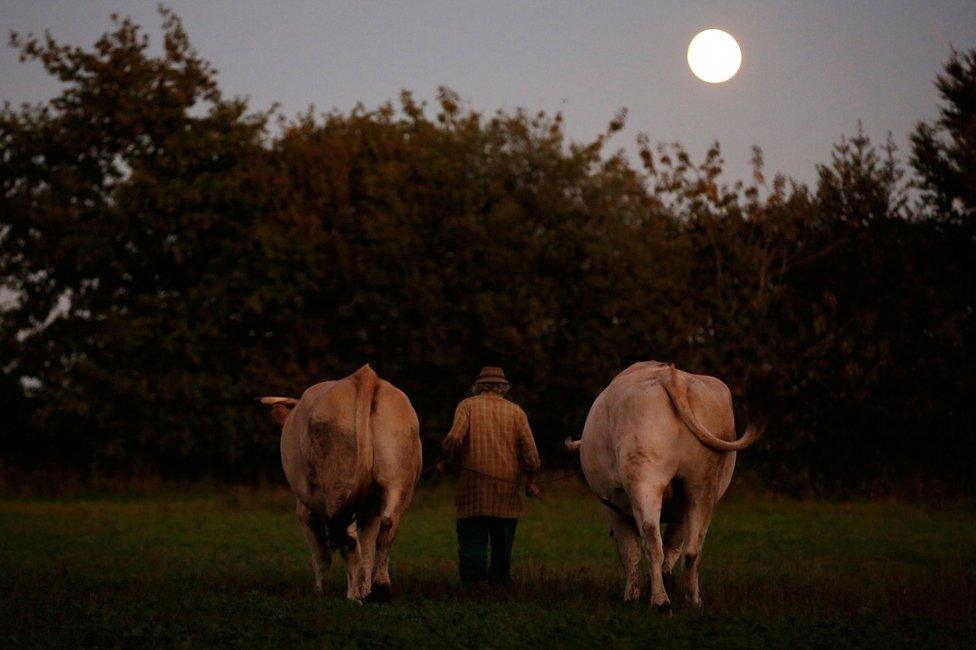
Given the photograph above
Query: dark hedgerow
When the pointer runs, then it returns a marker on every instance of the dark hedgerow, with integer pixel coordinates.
(171, 256)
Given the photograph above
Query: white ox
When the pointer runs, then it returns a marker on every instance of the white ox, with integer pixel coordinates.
(659, 447)
(351, 453)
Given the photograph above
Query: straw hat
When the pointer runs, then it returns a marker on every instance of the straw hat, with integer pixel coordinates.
(491, 375)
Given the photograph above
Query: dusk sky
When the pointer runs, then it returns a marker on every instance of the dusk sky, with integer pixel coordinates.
(809, 72)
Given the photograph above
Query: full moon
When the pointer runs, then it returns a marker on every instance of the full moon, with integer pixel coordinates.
(714, 56)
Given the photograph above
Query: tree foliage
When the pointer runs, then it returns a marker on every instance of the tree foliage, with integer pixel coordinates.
(172, 255)
(944, 152)
(129, 205)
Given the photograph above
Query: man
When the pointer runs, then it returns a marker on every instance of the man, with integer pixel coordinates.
(489, 443)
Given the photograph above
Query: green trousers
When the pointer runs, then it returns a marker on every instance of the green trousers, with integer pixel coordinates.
(474, 535)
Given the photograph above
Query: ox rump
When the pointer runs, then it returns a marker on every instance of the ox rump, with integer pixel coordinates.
(659, 447)
(351, 453)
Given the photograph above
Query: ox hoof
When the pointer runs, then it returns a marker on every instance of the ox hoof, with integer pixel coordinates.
(664, 609)
(380, 594)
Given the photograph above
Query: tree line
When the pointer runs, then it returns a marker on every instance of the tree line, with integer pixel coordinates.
(168, 253)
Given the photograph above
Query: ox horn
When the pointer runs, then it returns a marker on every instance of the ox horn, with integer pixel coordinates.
(271, 401)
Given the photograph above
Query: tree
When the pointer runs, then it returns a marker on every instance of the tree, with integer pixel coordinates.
(944, 152)
(452, 241)
(129, 210)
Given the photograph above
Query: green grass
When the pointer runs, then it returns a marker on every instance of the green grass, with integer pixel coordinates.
(231, 568)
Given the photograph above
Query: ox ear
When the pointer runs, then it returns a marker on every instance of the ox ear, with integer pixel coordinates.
(280, 407)
(280, 413)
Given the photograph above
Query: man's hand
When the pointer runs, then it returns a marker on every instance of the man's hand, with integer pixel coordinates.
(532, 490)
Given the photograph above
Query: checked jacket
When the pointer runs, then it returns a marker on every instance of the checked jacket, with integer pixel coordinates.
(490, 438)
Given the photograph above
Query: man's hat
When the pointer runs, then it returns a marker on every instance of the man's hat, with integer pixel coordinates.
(491, 375)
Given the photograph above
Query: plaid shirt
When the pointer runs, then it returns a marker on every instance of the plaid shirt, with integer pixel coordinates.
(490, 436)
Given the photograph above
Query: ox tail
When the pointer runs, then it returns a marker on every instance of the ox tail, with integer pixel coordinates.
(677, 389)
(571, 445)
(366, 383)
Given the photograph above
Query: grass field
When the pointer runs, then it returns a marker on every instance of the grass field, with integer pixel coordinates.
(229, 567)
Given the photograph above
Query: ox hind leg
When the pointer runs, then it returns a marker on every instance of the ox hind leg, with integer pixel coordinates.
(674, 541)
(646, 497)
(393, 506)
(346, 541)
(316, 534)
(699, 517)
(369, 528)
(674, 512)
(628, 547)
